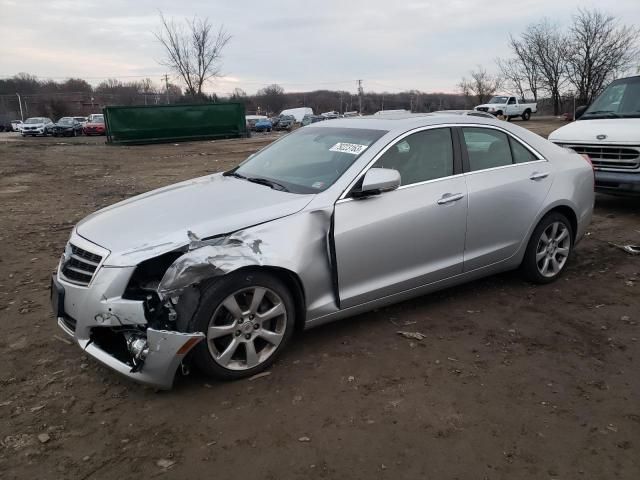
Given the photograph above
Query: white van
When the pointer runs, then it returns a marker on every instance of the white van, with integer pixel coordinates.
(297, 113)
(609, 133)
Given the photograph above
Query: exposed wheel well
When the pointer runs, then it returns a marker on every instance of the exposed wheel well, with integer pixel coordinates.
(293, 283)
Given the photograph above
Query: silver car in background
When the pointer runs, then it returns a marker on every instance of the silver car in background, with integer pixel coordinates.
(333, 220)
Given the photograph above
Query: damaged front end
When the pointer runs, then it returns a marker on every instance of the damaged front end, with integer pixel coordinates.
(116, 316)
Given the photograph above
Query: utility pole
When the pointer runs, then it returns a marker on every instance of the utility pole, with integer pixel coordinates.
(360, 92)
(340, 111)
(166, 83)
(20, 102)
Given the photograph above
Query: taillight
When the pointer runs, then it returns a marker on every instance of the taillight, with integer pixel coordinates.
(593, 170)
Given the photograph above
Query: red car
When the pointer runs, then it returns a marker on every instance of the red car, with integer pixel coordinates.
(95, 125)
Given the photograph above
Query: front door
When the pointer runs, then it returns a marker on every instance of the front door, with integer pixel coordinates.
(412, 236)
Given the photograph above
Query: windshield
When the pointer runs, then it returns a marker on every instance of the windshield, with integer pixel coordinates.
(309, 160)
(66, 121)
(621, 99)
(98, 119)
(35, 120)
(499, 100)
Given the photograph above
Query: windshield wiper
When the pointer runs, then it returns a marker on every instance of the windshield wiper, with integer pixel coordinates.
(258, 180)
(268, 183)
(233, 173)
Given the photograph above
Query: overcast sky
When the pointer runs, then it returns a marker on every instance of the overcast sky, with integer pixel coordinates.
(301, 45)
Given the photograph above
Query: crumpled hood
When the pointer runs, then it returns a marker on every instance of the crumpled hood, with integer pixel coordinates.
(158, 221)
(624, 131)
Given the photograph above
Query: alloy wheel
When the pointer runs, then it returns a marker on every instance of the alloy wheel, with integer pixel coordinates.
(246, 328)
(553, 249)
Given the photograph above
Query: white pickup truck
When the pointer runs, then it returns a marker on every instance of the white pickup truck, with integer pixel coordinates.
(609, 133)
(508, 106)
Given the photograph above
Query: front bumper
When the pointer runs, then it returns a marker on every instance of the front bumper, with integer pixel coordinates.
(83, 309)
(617, 182)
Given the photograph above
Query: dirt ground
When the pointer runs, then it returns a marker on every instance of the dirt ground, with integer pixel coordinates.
(513, 381)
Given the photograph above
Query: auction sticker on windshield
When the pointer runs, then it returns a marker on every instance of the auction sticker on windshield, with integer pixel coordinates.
(352, 148)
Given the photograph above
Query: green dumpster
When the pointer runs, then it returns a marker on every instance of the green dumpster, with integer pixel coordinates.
(173, 123)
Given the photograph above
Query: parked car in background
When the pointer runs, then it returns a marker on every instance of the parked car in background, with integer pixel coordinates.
(81, 120)
(609, 133)
(252, 119)
(36, 126)
(263, 125)
(318, 226)
(297, 113)
(285, 122)
(509, 107)
(94, 115)
(94, 125)
(309, 119)
(16, 125)
(66, 127)
(330, 115)
(473, 113)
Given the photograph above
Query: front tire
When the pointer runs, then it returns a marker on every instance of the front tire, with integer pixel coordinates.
(549, 249)
(247, 317)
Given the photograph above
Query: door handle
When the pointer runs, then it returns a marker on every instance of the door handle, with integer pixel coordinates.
(538, 175)
(449, 198)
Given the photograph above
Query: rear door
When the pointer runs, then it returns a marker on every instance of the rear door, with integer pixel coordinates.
(412, 236)
(507, 183)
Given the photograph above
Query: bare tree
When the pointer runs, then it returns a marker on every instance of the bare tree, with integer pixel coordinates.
(600, 49)
(193, 52)
(482, 85)
(526, 65)
(272, 97)
(550, 49)
(511, 72)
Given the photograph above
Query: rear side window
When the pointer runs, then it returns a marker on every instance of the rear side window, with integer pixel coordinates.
(486, 148)
(520, 153)
(422, 156)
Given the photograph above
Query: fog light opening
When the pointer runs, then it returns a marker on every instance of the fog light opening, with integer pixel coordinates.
(138, 348)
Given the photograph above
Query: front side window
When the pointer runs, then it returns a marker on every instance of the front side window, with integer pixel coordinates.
(486, 148)
(310, 159)
(512, 101)
(422, 156)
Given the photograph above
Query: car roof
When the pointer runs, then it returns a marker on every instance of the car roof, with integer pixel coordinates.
(407, 121)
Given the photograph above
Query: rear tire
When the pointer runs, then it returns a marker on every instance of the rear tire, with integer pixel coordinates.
(526, 115)
(248, 317)
(549, 249)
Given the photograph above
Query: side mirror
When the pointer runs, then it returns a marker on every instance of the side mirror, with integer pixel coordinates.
(378, 180)
(580, 111)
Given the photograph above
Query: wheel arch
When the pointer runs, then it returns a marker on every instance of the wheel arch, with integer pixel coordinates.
(291, 280)
(568, 212)
(563, 208)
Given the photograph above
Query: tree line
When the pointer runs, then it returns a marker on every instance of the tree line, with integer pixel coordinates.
(549, 61)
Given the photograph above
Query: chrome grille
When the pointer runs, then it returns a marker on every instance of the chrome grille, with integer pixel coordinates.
(610, 156)
(79, 265)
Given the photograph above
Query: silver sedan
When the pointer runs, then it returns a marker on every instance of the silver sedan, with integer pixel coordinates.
(335, 219)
